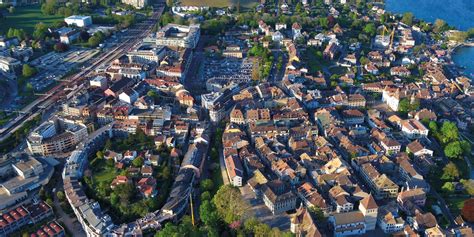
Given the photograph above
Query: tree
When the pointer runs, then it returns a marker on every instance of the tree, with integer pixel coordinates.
(41, 30)
(468, 210)
(440, 26)
(205, 196)
(208, 214)
(317, 213)
(450, 172)
(407, 18)
(28, 71)
(468, 186)
(450, 132)
(138, 162)
(124, 192)
(370, 29)
(60, 195)
(229, 203)
(453, 150)
(207, 185)
(448, 187)
(262, 230)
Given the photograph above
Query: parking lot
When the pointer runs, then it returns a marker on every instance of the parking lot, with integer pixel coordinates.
(262, 213)
(53, 66)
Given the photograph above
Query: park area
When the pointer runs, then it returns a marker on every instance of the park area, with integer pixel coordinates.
(219, 3)
(131, 187)
(26, 18)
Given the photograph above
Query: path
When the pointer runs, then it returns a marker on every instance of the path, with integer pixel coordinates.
(222, 166)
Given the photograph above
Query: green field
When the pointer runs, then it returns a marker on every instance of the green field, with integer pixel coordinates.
(219, 3)
(26, 18)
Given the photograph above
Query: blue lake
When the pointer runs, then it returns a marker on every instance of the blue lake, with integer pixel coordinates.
(457, 13)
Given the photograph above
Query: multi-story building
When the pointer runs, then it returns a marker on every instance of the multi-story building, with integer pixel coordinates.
(139, 4)
(369, 209)
(348, 223)
(413, 129)
(146, 54)
(179, 36)
(57, 135)
(79, 21)
(278, 198)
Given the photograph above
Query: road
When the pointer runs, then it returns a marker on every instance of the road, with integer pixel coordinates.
(73, 84)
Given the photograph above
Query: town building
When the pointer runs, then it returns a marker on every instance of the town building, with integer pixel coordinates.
(79, 21)
(174, 35)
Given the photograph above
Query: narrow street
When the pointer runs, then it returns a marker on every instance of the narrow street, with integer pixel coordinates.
(222, 167)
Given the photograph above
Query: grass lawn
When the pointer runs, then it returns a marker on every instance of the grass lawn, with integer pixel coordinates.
(107, 175)
(26, 18)
(219, 3)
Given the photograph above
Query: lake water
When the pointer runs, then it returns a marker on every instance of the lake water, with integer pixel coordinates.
(457, 13)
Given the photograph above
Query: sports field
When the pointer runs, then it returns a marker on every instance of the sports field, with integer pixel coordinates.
(219, 3)
(26, 18)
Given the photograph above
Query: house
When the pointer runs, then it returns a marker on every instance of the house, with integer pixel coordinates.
(331, 51)
(147, 171)
(369, 209)
(422, 221)
(277, 197)
(371, 68)
(128, 96)
(418, 149)
(69, 36)
(406, 198)
(348, 223)
(277, 36)
(296, 30)
(391, 146)
(400, 71)
(120, 179)
(234, 169)
(413, 129)
(353, 116)
(389, 221)
(302, 224)
(147, 187)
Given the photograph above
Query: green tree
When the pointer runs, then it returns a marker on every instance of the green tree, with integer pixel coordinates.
(207, 185)
(60, 195)
(317, 213)
(453, 150)
(407, 18)
(206, 196)
(262, 230)
(40, 32)
(208, 213)
(450, 132)
(28, 71)
(440, 26)
(448, 187)
(138, 162)
(370, 29)
(99, 154)
(229, 203)
(450, 172)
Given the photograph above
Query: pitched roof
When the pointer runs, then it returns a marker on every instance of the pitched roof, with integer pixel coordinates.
(369, 202)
